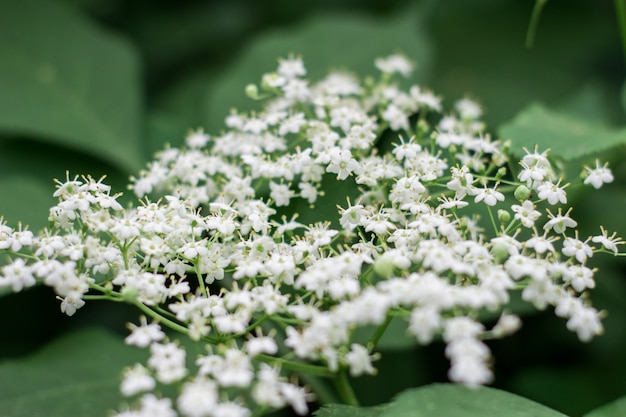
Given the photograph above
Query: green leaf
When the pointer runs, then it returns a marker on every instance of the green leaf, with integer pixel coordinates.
(615, 409)
(66, 82)
(340, 410)
(439, 400)
(330, 41)
(76, 375)
(567, 137)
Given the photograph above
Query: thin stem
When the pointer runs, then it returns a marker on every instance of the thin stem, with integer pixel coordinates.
(380, 330)
(200, 278)
(493, 220)
(323, 393)
(345, 389)
(620, 7)
(296, 366)
(534, 22)
(169, 323)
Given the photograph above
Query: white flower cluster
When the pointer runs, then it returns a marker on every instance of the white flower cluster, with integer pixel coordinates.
(222, 258)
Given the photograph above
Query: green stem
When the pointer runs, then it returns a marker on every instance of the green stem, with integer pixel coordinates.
(169, 323)
(323, 393)
(493, 220)
(200, 278)
(534, 22)
(620, 7)
(345, 389)
(296, 366)
(380, 330)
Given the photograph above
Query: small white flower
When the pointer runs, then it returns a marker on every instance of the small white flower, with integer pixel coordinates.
(552, 193)
(197, 139)
(156, 407)
(506, 325)
(261, 344)
(352, 216)
(559, 222)
(359, 360)
(136, 379)
(394, 64)
(489, 195)
(397, 119)
(468, 109)
(342, 163)
(424, 323)
(280, 193)
(599, 175)
(526, 213)
(230, 409)
(168, 360)
(198, 398)
(17, 275)
(291, 68)
(585, 321)
(577, 248)
(609, 242)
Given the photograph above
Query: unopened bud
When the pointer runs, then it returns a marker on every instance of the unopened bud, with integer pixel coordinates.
(252, 91)
(129, 294)
(500, 252)
(384, 266)
(522, 193)
(504, 216)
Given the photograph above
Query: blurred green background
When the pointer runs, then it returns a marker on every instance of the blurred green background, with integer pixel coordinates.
(97, 86)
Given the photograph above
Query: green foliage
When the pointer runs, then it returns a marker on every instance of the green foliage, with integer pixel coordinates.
(459, 401)
(67, 377)
(340, 410)
(615, 409)
(567, 137)
(66, 82)
(449, 400)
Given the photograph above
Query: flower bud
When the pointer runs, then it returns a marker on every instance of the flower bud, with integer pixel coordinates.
(522, 193)
(384, 266)
(422, 128)
(129, 294)
(504, 216)
(252, 91)
(500, 252)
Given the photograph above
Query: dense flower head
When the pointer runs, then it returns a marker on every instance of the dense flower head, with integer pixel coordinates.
(338, 205)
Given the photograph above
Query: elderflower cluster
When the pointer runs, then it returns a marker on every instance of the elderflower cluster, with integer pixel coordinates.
(340, 204)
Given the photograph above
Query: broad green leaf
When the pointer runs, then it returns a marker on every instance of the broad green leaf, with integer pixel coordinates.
(340, 410)
(439, 400)
(66, 82)
(325, 42)
(615, 409)
(567, 137)
(77, 375)
(589, 103)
